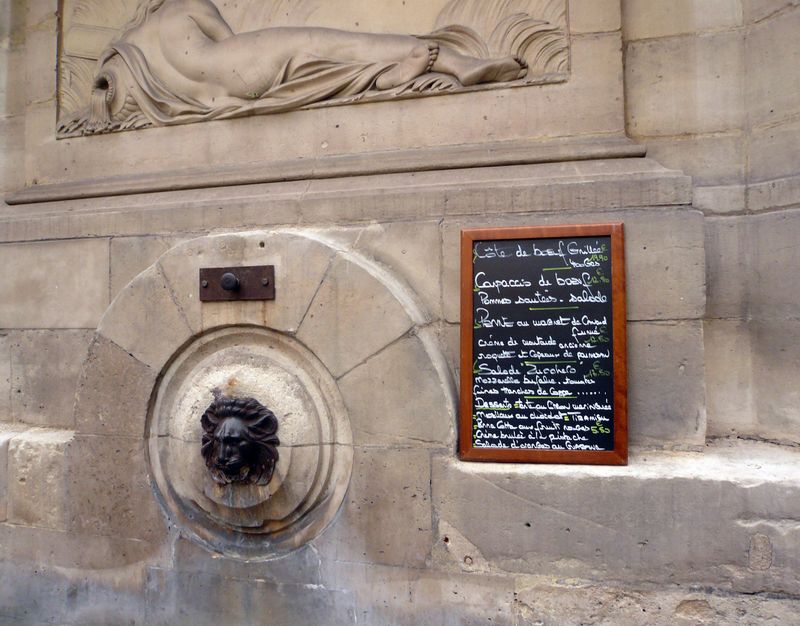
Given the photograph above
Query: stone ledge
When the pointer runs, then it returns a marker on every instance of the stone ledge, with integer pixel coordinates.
(727, 518)
(590, 185)
(417, 160)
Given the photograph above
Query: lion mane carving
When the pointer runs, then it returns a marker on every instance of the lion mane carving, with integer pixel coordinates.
(239, 444)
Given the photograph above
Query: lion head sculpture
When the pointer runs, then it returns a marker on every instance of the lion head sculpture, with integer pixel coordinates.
(240, 444)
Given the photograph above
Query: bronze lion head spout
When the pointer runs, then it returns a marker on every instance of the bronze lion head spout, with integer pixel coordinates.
(240, 444)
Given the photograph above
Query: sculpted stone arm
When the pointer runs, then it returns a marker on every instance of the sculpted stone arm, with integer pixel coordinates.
(210, 21)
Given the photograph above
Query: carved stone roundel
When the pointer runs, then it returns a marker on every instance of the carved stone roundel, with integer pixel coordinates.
(250, 518)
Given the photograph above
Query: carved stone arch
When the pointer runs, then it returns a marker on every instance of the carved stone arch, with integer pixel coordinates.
(339, 318)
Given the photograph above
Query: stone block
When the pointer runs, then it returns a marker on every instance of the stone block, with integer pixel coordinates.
(646, 19)
(648, 520)
(685, 85)
(300, 265)
(132, 255)
(666, 384)
(576, 603)
(410, 597)
(113, 392)
(594, 16)
(199, 598)
(352, 316)
(41, 51)
(145, 304)
(42, 14)
(386, 515)
(771, 194)
(12, 100)
(710, 160)
(729, 378)
(721, 200)
(7, 433)
(729, 256)
(776, 257)
(5, 378)
(387, 405)
(40, 594)
(71, 551)
(12, 142)
(55, 284)
(774, 152)
(301, 567)
(663, 247)
(413, 251)
(776, 368)
(773, 55)
(757, 10)
(45, 366)
(105, 480)
(37, 473)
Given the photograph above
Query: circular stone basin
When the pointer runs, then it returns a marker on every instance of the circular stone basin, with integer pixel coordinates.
(315, 453)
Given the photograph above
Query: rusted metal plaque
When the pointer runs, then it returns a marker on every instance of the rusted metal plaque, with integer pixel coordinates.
(227, 284)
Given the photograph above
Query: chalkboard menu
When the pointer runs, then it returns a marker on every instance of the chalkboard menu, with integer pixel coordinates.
(543, 345)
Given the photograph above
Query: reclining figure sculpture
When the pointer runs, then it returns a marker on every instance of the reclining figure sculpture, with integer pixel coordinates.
(178, 61)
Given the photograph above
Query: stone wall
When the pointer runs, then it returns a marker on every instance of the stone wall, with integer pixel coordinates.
(710, 90)
(700, 528)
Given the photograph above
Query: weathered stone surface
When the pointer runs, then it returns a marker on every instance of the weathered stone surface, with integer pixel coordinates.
(774, 154)
(352, 316)
(5, 378)
(398, 398)
(57, 284)
(644, 19)
(40, 594)
(113, 391)
(413, 251)
(757, 10)
(593, 16)
(389, 488)
(776, 355)
(576, 604)
(647, 520)
(300, 264)
(109, 493)
(772, 92)
(486, 191)
(12, 141)
(145, 320)
(663, 246)
(775, 258)
(199, 598)
(729, 257)
(409, 597)
(714, 160)
(685, 85)
(666, 383)
(721, 200)
(45, 366)
(132, 255)
(80, 553)
(730, 393)
(7, 433)
(37, 478)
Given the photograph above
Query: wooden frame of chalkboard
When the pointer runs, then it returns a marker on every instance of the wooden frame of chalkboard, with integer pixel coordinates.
(543, 345)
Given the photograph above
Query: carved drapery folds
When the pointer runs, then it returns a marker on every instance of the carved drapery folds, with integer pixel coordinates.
(127, 65)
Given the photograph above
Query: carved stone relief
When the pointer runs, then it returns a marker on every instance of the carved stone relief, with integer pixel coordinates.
(127, 65)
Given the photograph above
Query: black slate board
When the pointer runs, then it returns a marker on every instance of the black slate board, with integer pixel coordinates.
(542, 346)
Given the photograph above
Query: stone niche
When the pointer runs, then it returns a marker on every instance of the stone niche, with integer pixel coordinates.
(566, 83)
(335, 309)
